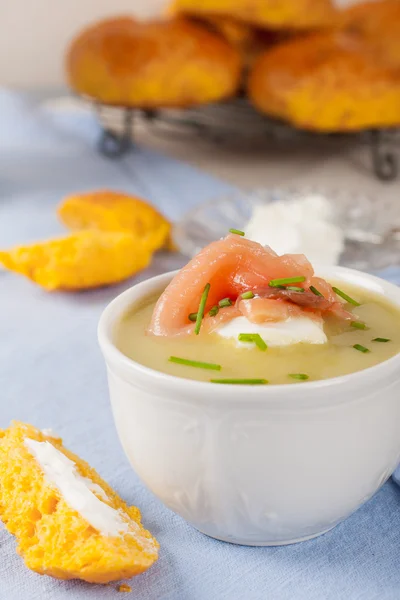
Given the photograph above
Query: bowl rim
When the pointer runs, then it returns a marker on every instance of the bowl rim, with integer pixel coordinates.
(121, 304)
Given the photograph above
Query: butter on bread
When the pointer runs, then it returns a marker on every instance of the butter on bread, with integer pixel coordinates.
(53, 537)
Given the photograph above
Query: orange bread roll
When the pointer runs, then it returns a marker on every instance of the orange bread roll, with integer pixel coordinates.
(107, 210)
(248, 40)
(152, 64)
(378, 23)
(326, 82)
(83, 260)
(272, 14)
(68, 522)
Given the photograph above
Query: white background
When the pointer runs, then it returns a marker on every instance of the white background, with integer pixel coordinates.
(34, 34)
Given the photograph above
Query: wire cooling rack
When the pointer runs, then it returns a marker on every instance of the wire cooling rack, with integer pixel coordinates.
(226, 121)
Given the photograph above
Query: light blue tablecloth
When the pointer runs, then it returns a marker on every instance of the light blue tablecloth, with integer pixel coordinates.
(52, 375)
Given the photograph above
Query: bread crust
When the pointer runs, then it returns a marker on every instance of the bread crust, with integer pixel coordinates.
(170, 63)
(326, 82)
(270, 14)
(378, 24)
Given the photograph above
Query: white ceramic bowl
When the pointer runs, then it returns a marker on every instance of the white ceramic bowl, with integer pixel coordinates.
(257, 465)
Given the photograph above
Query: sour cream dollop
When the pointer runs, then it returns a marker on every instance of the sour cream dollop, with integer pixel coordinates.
(294, 330)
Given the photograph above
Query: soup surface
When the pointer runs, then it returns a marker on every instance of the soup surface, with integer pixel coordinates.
(293, 363)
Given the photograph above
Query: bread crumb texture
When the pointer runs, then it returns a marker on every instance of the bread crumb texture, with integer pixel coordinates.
(109, 210)
(52, 537)
(83, 260)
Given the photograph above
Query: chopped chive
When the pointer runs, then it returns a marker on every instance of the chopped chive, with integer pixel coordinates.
(214, 311)
(315, 291)
(346, 297)
(193, 317)
(293, 288)
(361, 348)
(247, 295)
(202, 306)
(358, 325)
(384, 340)
(237, 231)
(194, 363)
(259, 342)
(225, 302)
(287, 280)
(245, 337)
(241, 381)
(254, 338)
(300, 376)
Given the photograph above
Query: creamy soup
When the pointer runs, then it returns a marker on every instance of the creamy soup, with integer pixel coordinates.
(293, 352)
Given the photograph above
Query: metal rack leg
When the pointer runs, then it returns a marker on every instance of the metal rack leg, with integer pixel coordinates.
(384, 160)
(113, 144)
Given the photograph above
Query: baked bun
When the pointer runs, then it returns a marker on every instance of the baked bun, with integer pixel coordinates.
(326, 82)
(249, 41)
(272, 14)
(173, 63)
(68, 522)
(378, 23)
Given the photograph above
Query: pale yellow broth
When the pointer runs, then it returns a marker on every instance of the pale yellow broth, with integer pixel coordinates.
(318, 361)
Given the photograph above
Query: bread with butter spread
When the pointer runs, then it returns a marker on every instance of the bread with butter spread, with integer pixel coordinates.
(68, 522)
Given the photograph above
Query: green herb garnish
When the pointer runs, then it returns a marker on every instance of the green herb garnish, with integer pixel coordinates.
(193, 317)
(286, 281)
(237, 231)
(202, 305)
(240, 381)
(300, 376)
(194, 363)
(214, 311)
(346, 297)
(315, 291)
(383, 340)
(361, 348)
(253, 338)
(225, 302)
(246, 337)
(247, 295)
(293, 288)
(358, 325)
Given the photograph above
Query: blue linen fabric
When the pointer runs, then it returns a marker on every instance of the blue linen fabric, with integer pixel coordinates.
(52, 375)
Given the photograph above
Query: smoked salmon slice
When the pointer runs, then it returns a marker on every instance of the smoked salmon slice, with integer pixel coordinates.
(233, 266)
(262, 310)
